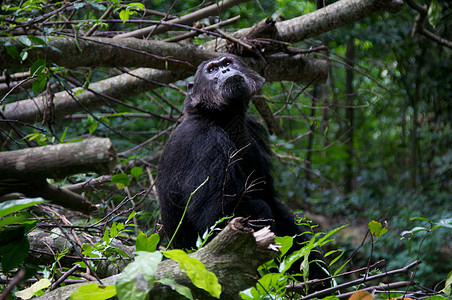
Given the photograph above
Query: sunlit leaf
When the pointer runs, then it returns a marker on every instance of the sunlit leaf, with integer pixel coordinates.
(137, 278)
(124, 15)
(145, 243)
(33, 289)
(377, 229)
(136, 172)
(11, 206)
(181, 289)
(93, 291)
(196, 271)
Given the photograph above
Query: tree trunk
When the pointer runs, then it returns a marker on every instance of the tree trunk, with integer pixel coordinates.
(58, 161)
(308, 166)
(349, 176)
(24, 172)
(233, 255)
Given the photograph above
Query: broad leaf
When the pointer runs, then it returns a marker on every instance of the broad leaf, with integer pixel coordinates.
(136, 280)
(196, 271)
(93, 291)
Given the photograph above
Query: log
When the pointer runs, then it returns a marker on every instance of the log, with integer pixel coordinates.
(11, 189)
(58, 161)
(43, 247)
(24, 172)
(233, 255)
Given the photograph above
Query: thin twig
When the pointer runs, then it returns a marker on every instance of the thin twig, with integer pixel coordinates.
(359, 281)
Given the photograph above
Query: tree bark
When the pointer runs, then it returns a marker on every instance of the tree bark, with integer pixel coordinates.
(328, 18)
(279, 67)
(43, 248)
(73, 52)
(233, 255)
(58, 161)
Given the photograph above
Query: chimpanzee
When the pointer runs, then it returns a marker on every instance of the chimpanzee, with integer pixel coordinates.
(218, 140)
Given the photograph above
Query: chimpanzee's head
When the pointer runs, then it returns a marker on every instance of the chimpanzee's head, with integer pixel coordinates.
(222, 84)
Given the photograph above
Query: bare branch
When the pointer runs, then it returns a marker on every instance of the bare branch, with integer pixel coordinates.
(189, 19)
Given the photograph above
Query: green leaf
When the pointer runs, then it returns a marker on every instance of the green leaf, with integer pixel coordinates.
(434, 12)
(121, 180)
(420, 218)
(11, 206)
(336, 258)
(133, 214)
(93, 291)
(36, 40)
(136, 5)
(13, 220)
(63, 136)
(23, 55)
(340, 268)
(93, 126)
(113, 230)
(25, 40)
(138, 277)
(18, 251)
(447, 286)
(12, 51)
(145, 243)
(289, 260)
(377, 229)
(99, 6)
(196, 271)
(181, 289)
(37, 67)
(124, 15)
(33, 289)
(285, 242)
(39, 83)
(446, 223)
(136, 172)
(79, 5)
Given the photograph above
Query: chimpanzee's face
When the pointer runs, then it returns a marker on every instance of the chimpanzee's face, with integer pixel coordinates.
(223, 83)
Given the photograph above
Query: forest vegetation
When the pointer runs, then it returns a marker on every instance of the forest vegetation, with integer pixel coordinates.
(357, 102)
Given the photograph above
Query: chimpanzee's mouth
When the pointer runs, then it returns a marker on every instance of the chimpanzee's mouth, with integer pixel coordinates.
(235, 87)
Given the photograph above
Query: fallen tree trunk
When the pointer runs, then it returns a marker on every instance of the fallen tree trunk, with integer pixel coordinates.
(11, 189)
(233, 255)
(58, 161)
(25, 171)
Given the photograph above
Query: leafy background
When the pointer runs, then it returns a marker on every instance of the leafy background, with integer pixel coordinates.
(394, 165)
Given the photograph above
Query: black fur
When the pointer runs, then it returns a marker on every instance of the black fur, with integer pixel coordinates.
(217, 139)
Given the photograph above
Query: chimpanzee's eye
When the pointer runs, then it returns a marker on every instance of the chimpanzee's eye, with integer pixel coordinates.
(212, 69)
(227, 63)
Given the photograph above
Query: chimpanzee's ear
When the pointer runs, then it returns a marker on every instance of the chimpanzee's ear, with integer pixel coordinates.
(190, 88)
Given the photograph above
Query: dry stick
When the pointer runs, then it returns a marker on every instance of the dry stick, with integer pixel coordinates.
(314, 281)
(90, 185)
(13, 283)
(73, 246)
(65, 275)
(17, 85)
(208, 28)
(233, 39)
(122, 203)
(138, 147)
(359, 281)
(210, 10)
(385, 287)
(104, 16)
